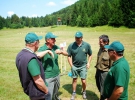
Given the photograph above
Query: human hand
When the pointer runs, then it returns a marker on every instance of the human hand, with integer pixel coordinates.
(46, 92)
(51, 53)
(88, 65)
(58, 51)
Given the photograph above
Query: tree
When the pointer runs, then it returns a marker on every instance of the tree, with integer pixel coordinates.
(15, 19)
(74, 16)
(8, 22)
(2, 22)
(104, 13)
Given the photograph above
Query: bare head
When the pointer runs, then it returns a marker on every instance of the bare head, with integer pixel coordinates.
(103, 40)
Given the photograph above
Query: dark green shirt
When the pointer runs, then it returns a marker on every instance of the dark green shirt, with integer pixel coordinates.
(118, 75)
(79, 53)
(103, 60)
(51, 67)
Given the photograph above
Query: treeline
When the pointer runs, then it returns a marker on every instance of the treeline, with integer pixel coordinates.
(84, 13)
(15, 22)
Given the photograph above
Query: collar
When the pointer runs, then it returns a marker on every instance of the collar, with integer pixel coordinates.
(28, 49)
(80, 44)
(104, 50)
(47, 47)
(117, 61)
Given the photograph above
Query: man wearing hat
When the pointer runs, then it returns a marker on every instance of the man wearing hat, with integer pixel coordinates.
(50, 65)
(31, 71)
(117, 79)
(77, 58)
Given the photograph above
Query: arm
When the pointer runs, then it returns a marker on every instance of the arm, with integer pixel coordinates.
(40, 83)
(41, 54)
(70, 61)
(63, 52)
(116, 93)
(89, 60)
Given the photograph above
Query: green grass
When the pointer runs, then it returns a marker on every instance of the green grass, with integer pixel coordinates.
(12, 41)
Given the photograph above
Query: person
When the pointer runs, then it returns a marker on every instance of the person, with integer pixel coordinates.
(51, 66)
(103, 64)
(117, 79)
(77, 58)
(30, 69)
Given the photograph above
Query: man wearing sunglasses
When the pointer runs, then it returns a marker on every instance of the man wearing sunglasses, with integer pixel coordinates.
(117, 79)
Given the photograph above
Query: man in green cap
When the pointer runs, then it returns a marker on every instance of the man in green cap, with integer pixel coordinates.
(51, 66)
(77, 58)
(31, 72)
(117, 79)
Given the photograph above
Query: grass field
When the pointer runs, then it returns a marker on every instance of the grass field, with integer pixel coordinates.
(12, 41)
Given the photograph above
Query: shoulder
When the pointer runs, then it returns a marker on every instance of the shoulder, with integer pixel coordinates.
(86, 43)
(42, 48)
(71, 44)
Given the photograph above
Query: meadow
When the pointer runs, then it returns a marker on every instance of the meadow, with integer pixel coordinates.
(12, 41)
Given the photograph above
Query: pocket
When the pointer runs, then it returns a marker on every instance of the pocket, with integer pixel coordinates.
(105, 61)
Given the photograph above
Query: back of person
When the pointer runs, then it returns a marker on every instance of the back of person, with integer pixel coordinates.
(22, 61)
(30, 69)
(117, 79)
(120, 77)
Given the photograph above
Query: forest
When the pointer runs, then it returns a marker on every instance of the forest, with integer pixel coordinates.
(83, 13)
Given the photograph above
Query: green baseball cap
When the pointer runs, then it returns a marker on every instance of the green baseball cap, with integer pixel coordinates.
(78, 34)
(32, 37)
(116, 45)
(50, 35)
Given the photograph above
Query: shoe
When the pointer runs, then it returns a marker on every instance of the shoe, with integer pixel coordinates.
(73, 96)
(84, 95)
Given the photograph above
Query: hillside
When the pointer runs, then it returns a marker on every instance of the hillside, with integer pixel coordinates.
(86, 13)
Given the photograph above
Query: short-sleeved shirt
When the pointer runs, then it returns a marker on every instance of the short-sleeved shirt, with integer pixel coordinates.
(103, 60)
(118, 75)
(51, 67)
(33, 67)
(79, 53)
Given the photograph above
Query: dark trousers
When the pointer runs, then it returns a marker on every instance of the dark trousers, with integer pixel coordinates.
(100, 78)
(46, 97)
